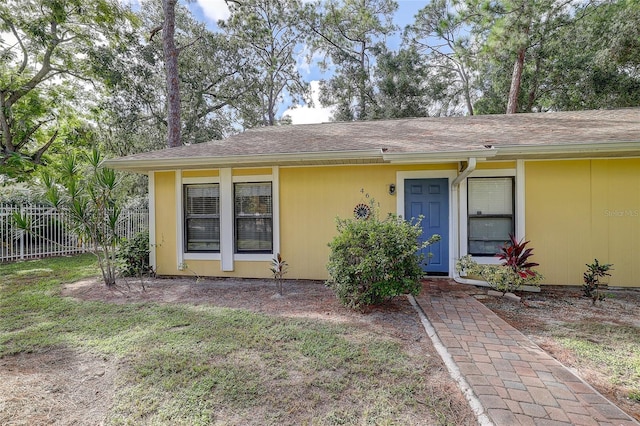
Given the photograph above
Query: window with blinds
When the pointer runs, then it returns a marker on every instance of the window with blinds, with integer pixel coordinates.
(491, 218)
(253, 218)
(202, 218)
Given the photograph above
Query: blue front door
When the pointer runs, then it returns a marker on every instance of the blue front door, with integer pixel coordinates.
(430, 198)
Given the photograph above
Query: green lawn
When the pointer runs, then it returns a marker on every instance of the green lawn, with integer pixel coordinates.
(186, 364)
(613, 350)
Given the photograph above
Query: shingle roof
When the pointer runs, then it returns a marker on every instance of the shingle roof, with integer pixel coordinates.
(496, 136)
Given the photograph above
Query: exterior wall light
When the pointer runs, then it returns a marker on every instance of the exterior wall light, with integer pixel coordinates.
(392, 189)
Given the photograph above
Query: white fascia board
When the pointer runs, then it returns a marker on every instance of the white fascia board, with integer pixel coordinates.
(438, 157)
(574, 148)
(239, 160)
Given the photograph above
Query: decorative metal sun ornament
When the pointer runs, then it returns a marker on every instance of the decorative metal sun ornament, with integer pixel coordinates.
(362, 211)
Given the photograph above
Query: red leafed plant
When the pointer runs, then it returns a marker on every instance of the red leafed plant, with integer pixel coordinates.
(514, 272)
(515, 255)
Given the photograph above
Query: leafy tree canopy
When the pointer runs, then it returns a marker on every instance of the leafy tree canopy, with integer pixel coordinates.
(441, 33)
(576, 55)
(80, 74)
(268, 33)
(45, 73)
(347, 33)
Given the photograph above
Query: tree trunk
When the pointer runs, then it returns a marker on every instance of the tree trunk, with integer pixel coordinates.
(516, 79)
(533, 91)
(271, 115)
(467, 89)
(171, 69)
(362, 84)
(518, 67)
(6, 144)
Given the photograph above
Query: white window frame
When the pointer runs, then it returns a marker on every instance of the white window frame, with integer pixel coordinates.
(518, 215)
(185, 188)
(182, 255)
(273, 179)
(226, 180)
(500, 186)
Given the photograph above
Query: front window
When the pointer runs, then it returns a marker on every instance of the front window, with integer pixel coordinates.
(491, 218)
(202, 218)
(253, 218)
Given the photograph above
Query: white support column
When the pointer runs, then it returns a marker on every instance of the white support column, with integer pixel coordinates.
(520, 200)
(400, 194)
(152, 221)
(226, 220)
(179, 222)
(462, 219)
(275, 208)
(454, 228)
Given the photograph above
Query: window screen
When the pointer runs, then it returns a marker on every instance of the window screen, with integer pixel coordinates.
(253, 217)
(202, 218)
(491, 219)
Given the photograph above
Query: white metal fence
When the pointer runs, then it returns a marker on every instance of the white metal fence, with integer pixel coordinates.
(50, 234)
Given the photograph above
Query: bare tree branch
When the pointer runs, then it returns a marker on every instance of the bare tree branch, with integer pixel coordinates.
(25, 54)
(37, 156)
(30, 133)
(155, 31)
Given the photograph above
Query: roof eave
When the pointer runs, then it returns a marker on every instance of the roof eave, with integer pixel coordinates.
(593, 149)
(438, 157)
(146, 165)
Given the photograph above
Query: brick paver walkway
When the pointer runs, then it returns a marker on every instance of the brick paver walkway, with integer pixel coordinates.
(515, 381)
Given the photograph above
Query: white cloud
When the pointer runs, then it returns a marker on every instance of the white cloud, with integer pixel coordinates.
(303, 114)
(301, 62)
(133, 4)
(214, 9)
(308, 62)
(305, 59)
(7, 41)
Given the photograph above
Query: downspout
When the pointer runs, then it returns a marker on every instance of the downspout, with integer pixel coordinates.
(471, 166)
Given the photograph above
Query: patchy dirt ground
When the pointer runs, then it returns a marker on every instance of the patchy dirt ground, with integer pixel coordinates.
(63, 388)
(74, 388)
(43, 388)
(541, 315)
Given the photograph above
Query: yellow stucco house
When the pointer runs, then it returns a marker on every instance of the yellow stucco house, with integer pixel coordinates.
(567, 181)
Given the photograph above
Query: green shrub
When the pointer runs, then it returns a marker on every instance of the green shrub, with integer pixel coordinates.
(503, 278)
(515, 271)
(86, 192)
(595, 271)
(374, 260)
(133, 255)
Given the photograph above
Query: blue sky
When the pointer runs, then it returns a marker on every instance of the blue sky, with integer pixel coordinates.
(210, 11)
